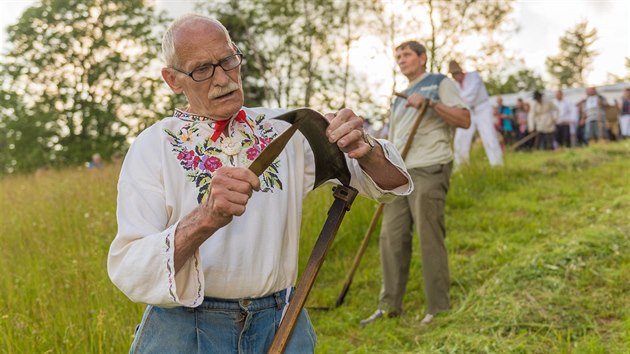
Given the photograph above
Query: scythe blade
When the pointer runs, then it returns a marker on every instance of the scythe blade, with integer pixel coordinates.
(330, 162)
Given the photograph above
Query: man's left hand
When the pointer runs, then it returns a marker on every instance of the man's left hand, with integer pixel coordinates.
(346, 130)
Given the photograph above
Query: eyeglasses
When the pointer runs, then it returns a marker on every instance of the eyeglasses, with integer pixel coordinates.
(206, 71)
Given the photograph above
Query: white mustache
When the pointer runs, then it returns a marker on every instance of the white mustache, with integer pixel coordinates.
(222, 90)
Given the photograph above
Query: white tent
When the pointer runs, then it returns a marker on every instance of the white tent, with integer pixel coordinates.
(610, 92)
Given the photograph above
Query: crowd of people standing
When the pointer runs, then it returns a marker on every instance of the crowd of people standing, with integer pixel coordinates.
(549, 124)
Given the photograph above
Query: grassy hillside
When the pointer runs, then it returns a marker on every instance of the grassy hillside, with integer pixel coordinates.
(539, 253)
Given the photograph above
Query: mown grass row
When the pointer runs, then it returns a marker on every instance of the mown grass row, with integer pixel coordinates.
(539, 253)
(539, 263)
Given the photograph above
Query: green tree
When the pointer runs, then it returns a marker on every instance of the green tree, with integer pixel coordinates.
(522, 80)
(575, 58)
(20, 139)
(453, 23)
(82, 76)
(297, 52)
(443, 26)
(288, 47)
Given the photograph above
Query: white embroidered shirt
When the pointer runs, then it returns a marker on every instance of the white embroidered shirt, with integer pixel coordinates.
(166, 174)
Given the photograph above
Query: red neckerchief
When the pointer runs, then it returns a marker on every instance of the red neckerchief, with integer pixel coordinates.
(219, 125)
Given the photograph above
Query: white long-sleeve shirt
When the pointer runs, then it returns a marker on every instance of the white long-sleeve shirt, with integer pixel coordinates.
(472, 90)
(166, 174)
(566, 112)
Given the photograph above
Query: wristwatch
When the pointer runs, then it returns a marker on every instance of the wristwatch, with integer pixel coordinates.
(368, 139)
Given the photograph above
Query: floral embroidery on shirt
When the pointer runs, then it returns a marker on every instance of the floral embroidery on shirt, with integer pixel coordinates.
(201, 157)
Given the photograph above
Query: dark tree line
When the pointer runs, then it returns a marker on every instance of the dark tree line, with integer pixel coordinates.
(77, 80)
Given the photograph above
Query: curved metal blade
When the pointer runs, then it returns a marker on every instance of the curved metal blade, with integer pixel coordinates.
(266, 157)
(330, 162)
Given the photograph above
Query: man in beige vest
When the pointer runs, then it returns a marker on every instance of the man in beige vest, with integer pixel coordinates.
(429, 163)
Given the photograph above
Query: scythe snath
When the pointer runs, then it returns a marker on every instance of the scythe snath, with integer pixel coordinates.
(330, 163)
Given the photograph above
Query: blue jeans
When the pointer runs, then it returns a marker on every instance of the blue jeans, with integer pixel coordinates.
(221, 326)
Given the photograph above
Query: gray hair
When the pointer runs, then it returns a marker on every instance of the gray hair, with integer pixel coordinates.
(413, 45)
(168, 41)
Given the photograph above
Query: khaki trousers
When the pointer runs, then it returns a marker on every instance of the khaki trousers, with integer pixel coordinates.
(424, 207)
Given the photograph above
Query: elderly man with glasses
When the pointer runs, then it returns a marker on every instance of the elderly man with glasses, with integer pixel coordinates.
(209, 246)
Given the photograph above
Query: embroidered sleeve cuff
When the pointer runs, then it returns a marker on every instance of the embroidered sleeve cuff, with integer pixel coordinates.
(186, 288)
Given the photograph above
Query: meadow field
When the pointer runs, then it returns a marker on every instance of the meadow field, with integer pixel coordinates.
(539, 253)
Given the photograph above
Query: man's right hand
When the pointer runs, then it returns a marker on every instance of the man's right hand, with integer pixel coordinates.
(228, 194)
(415, 100)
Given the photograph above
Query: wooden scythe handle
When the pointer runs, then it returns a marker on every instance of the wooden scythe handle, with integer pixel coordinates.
(344, 196)
(527, 138)
(379, 210)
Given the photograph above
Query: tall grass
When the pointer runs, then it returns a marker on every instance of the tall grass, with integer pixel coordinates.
(56, 296)
(539, 253)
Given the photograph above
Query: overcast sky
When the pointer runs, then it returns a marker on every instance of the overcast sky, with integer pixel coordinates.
(541, 24)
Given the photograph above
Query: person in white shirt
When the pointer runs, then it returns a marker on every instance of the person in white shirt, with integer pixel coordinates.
(565, 119)
(209, 246)
(473, 91)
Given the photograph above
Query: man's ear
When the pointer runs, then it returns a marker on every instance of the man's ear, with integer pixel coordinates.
(423, 59)
(171, 80)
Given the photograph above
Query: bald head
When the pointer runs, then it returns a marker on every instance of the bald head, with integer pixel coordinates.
(185, 30)
(591, 91)
(195, 45)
